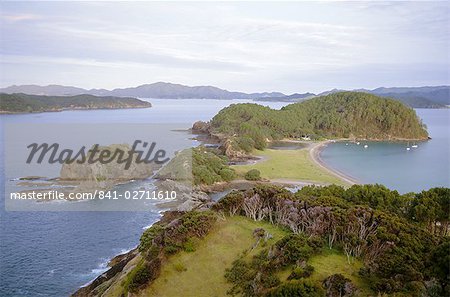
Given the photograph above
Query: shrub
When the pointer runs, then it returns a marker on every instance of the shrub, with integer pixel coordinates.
(202, 175)
(338, 285)
(253, 175)
(142, 274)
(297, 289)
(148, 236)
(301, 272)
(292, 248)
(231, 203)
(246, 144)
(196, 223)
(152, 252)
(171, 248)
(189, 245)
(227, 174)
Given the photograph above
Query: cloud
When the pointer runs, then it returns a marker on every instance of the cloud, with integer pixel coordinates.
(235, 45)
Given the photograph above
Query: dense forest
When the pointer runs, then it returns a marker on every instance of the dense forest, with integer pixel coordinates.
(11, 103)
(338, 115)
(401, 241)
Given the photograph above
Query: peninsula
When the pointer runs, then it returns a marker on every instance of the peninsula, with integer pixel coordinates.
(268, 241)
(23, 103)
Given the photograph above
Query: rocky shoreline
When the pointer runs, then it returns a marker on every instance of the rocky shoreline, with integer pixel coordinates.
(120, 265)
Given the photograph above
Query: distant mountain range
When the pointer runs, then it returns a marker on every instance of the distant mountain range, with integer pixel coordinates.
(418, 97)
(156, 90)
(288, 98)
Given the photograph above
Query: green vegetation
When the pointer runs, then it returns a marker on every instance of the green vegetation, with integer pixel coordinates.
(209, 167)
(199, 165)
(258, 276)
(297, 289)
(139, 276)
(332, 261)
(393, 246)
(338, 115)
(161, 240)
(253, 174)
(37, 103)
(289, 165)
(320, 241)
(205, 267)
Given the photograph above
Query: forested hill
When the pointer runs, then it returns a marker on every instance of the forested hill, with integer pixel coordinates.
(12, 103)
(338, 115)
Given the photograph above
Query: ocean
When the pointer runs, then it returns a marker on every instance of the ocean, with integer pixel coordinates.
(392, 164)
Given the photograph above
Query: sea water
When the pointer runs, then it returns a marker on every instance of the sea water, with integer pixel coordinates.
(392, 164)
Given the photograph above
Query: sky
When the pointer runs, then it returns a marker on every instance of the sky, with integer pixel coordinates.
(239, 46)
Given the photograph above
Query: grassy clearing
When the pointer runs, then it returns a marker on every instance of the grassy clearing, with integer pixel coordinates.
(331, 262)
(291, 165)
(201, 273)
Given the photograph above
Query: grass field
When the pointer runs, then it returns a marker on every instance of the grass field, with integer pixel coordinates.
(289, 165)
(329, 262)
(332, 261)
(201, 273)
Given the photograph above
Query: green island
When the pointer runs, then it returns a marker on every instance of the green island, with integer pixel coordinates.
(267, 241)
(350, 115)
(245, 131)
(24, 103)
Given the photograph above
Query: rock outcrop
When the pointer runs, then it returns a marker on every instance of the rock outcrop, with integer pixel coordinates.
(188, 198)
(101, 176)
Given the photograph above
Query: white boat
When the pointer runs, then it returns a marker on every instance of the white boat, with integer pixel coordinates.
(414, 146)
(366, 146)
(357, 143)
(408, 148)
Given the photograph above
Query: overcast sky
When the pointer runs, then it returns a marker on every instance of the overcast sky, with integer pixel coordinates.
(253, 46)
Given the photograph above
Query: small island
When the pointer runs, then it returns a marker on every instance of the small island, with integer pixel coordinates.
(249, 131)
(24, 103)
(349, 115)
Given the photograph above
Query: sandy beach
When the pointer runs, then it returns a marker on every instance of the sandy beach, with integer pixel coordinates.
(312, 150)
(314, 153)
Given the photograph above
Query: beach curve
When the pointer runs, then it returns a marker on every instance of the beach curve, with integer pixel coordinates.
(314, 153)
